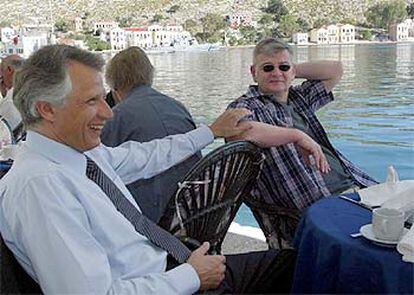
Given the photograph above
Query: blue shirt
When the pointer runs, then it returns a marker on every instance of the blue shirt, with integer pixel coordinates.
(66, 232)
(146, 114)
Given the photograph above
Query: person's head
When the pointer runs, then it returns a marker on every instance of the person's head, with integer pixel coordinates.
(59, 93)
(8, 66)
(272, 67)
(128, 69)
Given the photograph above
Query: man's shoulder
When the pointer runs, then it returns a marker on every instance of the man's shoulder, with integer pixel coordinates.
(145, 100)
(248, 100)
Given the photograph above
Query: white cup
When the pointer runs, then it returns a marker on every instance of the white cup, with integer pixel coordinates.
(8, 152)
(387, 224)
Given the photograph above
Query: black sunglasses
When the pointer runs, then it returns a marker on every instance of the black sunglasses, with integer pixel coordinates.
(270, 68)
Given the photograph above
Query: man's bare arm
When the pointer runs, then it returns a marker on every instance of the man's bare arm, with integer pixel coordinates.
(329, 72)
(266, 135)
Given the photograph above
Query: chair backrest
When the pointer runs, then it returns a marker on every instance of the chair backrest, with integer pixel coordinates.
(14, 279)
(211, 193)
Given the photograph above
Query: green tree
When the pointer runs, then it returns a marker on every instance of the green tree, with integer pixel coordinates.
(386, 13)
(213, 25)
(249, 34)
(61, 25)
(276, 8)
(5, 23)
(76, 36)
(95, 44)
(124, 21)
(266, 20)
(157, 18)
(288, 25)
(366, 35)
(320, 22)
(410, 10)
(173, 9)
(304, 25)
(191, 26)
(212, 22)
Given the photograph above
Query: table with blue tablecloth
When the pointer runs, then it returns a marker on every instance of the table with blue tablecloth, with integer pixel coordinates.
(331, 261)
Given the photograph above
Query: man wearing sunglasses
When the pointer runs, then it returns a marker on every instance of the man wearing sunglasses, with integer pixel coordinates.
(288, 185)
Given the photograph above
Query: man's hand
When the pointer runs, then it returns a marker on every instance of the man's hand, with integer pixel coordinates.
(226, 125)
(308, 147)
(210, 268)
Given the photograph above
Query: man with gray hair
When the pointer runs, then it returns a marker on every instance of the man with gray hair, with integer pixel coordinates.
(67, 215)
(8, 111)
(143, 114)
(287, 185)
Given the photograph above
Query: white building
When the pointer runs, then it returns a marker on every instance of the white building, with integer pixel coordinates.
(150, 37)
(240, 19)
(346, 33)
(7, 34)
(333, 34)
(12, 48)
(140, 37)
(118, 39)
(169, 36)
(104, 26)
(399, 32)
(319, 36)
(32, 41)
(300, 38)
(410, 24)
(78, 24)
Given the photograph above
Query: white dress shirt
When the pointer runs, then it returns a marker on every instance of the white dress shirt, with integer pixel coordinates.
(9, 112)
(66, 232)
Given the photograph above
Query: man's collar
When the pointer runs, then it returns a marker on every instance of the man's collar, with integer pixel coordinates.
(55, 151)
(254, 92)
(138, 90)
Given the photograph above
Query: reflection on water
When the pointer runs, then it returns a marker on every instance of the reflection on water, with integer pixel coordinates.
(371, 120)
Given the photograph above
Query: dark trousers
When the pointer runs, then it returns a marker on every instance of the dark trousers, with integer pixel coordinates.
(257, 272)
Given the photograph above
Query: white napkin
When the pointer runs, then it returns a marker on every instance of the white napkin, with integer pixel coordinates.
(406, 246)
(377, 195)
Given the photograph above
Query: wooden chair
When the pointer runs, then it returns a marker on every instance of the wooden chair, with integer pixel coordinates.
(211, 193)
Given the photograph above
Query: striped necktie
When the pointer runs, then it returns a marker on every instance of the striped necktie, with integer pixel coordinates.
(142, 224)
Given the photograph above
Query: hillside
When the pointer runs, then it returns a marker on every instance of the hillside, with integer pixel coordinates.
(141, 11)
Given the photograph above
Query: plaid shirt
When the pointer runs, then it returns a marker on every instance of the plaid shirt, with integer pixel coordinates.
(286, 181)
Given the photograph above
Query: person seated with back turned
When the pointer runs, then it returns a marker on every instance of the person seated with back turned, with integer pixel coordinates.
(286, 183)
(67, 215)
(143, 114)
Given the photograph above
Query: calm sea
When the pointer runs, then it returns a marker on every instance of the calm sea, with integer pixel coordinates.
(371, 121)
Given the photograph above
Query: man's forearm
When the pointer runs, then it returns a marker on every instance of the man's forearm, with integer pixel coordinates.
(330, 72)
(266, 135)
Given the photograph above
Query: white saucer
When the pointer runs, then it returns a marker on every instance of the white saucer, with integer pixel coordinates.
(366, 232)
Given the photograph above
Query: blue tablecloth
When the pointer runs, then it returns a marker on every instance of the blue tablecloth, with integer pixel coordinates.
(330, 261)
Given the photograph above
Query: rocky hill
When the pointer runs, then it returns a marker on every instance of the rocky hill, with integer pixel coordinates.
(141, 11)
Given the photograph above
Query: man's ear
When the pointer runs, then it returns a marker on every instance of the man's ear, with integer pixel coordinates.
(253, 72)
(46, 110)
(294, 70)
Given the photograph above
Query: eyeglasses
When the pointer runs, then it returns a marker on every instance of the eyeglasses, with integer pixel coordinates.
(271, 68)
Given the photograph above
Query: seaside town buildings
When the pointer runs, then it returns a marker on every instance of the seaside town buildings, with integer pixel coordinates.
(402, 31)
(333, 34)
(37, 32)
(153, 36)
